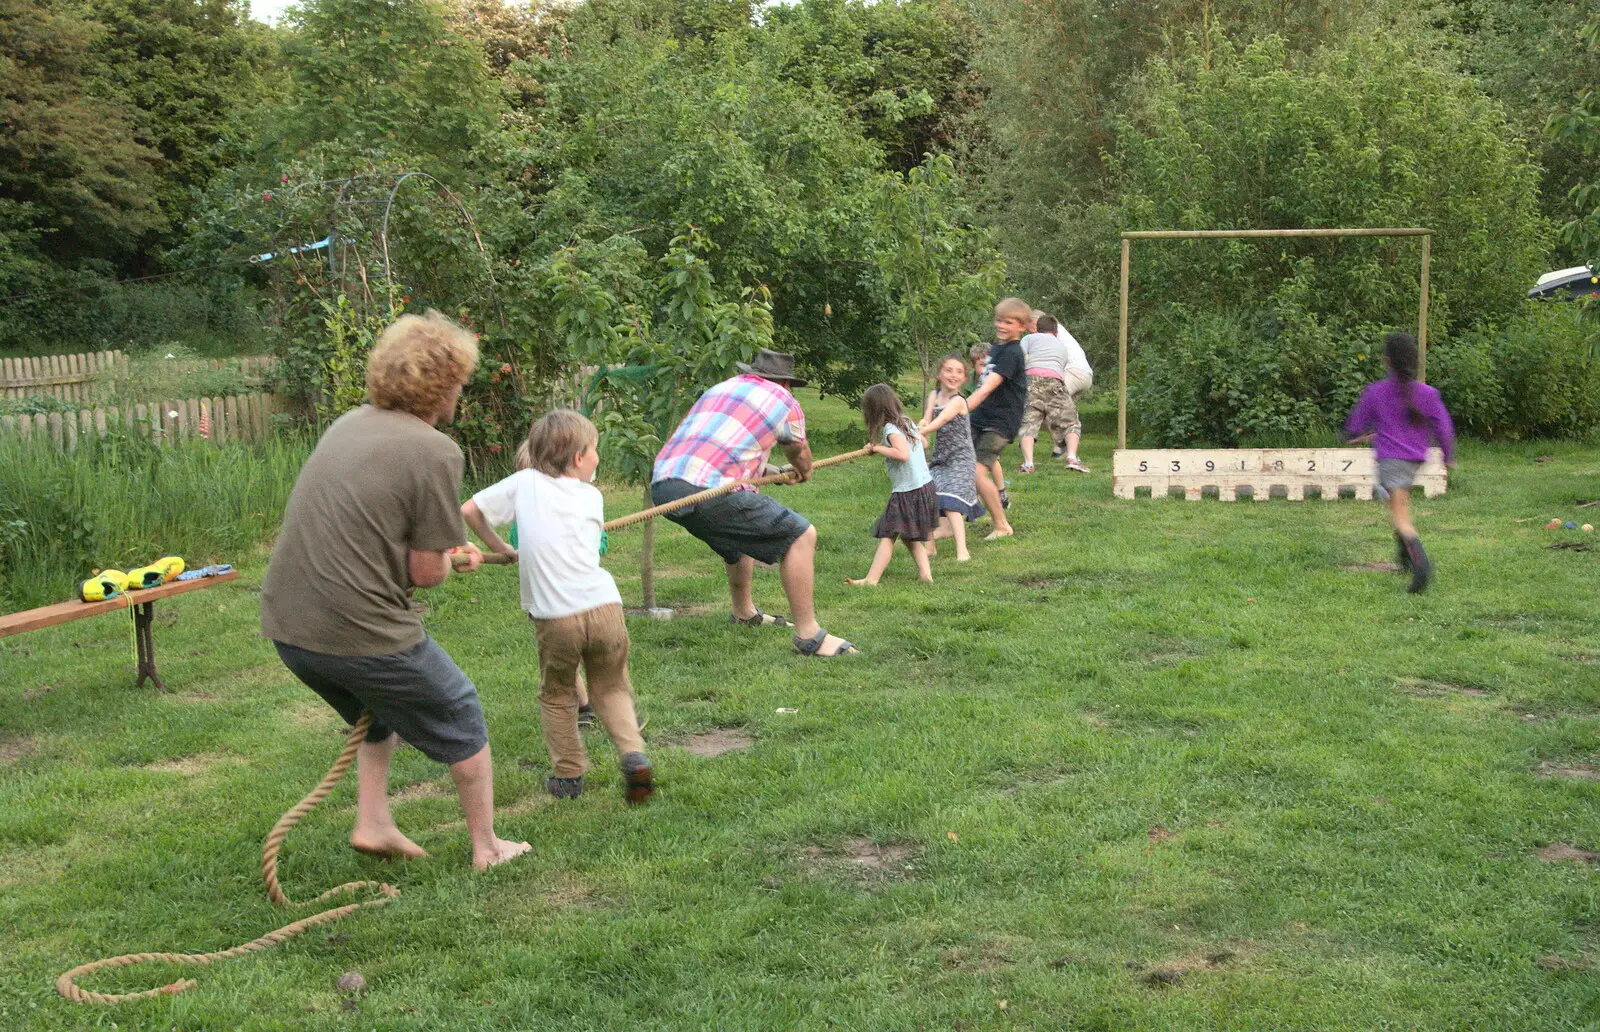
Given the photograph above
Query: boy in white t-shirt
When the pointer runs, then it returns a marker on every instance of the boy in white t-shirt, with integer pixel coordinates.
(573, 602)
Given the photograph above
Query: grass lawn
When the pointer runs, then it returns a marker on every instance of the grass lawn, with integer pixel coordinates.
(1148, 765)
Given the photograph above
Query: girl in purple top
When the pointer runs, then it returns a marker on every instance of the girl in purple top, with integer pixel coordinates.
(1405, 417)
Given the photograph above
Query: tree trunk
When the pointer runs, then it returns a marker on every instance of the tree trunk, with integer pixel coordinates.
(647, 559)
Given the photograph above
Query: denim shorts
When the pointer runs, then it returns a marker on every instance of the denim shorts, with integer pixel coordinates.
(1397, 474)
(738, 524)
(419, 693)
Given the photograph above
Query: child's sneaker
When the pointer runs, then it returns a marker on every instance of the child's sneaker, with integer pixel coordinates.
(564, 788)
(637, 784)
(586, 716)
(1077, 465)
(1026, 467)
(1005, 499)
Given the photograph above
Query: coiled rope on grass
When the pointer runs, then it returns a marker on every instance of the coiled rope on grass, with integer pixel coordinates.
(67, 984)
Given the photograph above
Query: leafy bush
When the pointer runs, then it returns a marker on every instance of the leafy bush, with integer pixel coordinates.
(1535, 377)
(73, 312)
(1249, 378)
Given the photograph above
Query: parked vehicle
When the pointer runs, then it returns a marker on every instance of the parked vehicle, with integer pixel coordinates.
(1566, 284)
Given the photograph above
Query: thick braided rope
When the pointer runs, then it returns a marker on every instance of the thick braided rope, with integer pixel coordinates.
(722, 489)
(67, 985)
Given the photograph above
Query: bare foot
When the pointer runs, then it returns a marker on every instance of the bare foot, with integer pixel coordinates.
(925, 580)
(996, 535)
(963, 557)
(861, 582)
(388, 843)
(499, 853)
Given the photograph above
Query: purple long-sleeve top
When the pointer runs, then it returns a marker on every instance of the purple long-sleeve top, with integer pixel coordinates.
(1383, 408)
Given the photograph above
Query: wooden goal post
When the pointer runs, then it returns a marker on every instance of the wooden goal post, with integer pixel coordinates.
(1216, 234)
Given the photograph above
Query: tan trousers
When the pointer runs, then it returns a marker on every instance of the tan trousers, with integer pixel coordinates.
(596, 639)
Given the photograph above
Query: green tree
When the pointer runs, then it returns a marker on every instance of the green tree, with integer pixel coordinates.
(941, 273)
(193, 72)
(637, 131)
(386, 77)
(899, 67)
(1374, 133)
(76, 171)
(1579, 128)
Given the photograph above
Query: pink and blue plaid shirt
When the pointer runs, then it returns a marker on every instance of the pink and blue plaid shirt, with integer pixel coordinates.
(729, 431)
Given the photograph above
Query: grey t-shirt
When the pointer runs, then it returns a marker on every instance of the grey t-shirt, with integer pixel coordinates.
(379, 485)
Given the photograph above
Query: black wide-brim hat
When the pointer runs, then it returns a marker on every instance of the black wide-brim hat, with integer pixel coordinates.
(772, 365)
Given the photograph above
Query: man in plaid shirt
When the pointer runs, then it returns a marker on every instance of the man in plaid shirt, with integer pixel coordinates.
(727, 435)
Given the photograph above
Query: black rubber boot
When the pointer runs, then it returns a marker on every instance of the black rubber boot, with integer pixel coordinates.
(1421, 569)
(1402, 554)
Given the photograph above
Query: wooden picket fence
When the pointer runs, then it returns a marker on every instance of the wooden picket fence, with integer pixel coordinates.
(243, 417)
(73, 378)
(68, 377)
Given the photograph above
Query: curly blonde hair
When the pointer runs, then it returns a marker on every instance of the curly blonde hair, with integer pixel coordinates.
(418, 361)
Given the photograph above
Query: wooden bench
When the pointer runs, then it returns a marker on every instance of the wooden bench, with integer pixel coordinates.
(141, 602)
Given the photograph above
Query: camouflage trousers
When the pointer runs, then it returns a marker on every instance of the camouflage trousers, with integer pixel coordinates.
(1053, 404)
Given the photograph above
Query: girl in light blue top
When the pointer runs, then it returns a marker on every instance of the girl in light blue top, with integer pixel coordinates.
(912, 514)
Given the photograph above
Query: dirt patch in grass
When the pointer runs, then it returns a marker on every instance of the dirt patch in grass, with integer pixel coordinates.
(716, 741)
(1171, 973)
(190, 766)
(193, 697)
(421, 790)
(1570, 657)
(1378, 567)
(570, 892)
(14, 749)
(1556, 962)
(1159, 834)
(861, 859)
(1556, 852)
(983, 957)
(1428, 687)
(1575, 770)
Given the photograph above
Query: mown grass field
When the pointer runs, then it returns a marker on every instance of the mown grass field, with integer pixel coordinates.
(1148, 765)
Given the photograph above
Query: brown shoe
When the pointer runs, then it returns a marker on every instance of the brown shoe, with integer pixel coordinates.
(637, 784)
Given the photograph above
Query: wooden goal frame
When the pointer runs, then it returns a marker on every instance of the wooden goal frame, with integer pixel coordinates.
(1221, 234)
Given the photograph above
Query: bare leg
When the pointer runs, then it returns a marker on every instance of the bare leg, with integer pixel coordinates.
(1027, 450)
(1400, 512)
(799, 576)
(919, 555)
(375, 831)
(474, 778)
(880, 562)
(989, 491)
(740, 574)
(1072, 444)
(956, 527)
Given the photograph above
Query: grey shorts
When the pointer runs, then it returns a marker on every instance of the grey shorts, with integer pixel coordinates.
(988, 445)
(1397, 474)
(738, 524)
(420, 694)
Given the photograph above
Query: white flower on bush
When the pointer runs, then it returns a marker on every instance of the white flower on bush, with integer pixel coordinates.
(172, 413)
(169, 354)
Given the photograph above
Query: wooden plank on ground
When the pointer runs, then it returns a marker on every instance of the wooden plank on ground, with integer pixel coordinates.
(66, 612)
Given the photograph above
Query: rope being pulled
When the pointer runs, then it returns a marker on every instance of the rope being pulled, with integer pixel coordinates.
(493, 559)
(67, 984)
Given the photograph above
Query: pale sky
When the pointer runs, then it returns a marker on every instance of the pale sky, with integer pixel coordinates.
(268, 10)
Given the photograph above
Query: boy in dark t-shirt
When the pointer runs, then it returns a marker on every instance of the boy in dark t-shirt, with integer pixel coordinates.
(997, 406)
